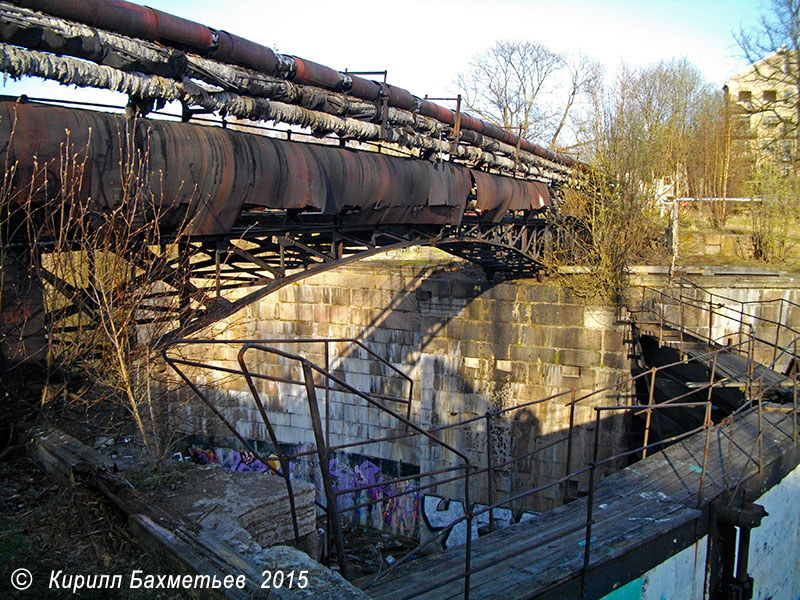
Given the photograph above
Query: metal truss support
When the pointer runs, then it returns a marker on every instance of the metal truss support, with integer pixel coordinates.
(265, 258)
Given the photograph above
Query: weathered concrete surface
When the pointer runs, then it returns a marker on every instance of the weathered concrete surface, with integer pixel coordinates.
(775, 545)
(248, 508)
(322, 583)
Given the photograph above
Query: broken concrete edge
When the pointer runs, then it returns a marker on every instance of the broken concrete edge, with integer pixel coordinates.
(183, 544)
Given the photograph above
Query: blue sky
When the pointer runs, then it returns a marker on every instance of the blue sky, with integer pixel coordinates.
(424, 43)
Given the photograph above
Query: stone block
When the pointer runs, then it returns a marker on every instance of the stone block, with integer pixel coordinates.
(582, 339)
(473, 363)
(322, 314)
(502, 365)
(478, 330)
(504, 291)
(544, 314)
(579, 358)
(532, 292)
(598, 317)
(340, 314)
(503, 311)
(401, 320)
(340, 296)
(614, 341)
(477, 310)
(615, 360)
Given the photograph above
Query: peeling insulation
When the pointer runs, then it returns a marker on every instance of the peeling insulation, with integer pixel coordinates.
(246, 94)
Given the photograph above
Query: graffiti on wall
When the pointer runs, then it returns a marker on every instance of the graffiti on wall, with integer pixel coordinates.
(233, 460)
(438, 513)
(377, 505)
(372, 502)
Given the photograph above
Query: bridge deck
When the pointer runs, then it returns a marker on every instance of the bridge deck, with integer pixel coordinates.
(647, 508)
(734, 368)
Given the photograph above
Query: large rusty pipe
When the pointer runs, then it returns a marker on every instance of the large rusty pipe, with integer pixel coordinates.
(140, 21)
(210, 175)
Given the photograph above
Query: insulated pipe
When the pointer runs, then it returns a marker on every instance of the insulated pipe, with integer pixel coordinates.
(130, 19)
(150, 24)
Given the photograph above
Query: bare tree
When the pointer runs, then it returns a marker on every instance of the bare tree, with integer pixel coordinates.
(105, 276)
(641, 128)
(773, 50)
(505, 86)
(585, 75)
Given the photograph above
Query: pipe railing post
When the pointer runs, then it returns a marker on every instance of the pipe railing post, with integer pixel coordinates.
(468, 549)
(751, 350)
(589, 505)
(324, 467)
(710, 319)
(760, 430)
(794, 393)
(490, 469)
(777, 331)
(328, 444)
(705, 455)
(713, 374)
(741, 322)
(569, 444)
(649, 412)
(682, 327)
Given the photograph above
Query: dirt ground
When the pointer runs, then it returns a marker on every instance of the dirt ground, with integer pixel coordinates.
(47, 526)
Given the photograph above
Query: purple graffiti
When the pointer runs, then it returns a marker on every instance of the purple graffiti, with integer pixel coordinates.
(399, 513)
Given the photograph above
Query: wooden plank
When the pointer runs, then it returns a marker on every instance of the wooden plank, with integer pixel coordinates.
(639, 504)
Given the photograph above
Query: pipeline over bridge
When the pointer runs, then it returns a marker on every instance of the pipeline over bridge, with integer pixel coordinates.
(253, 210)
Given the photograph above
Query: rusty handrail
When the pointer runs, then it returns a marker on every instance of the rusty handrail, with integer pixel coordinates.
(322, 447)
(487, 417)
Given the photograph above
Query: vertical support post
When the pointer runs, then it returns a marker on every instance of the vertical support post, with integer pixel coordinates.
(456, 127)
(682, 329)
(490, 468)
(710, 319)
(324, 467)
(328, 445)
(760, 431)
(468, 548)
(777, 331)
(707, 425)
(750, 352)
(649, 412)
(713, 374)
(282, 256)
(568, 469)
(327, 395)
(741, 323)
(217, 270)
(674, 222)
(589, 505)
(661, 317)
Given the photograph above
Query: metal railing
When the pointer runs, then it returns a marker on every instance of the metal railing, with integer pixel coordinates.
(314, 377)
(719, 306)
